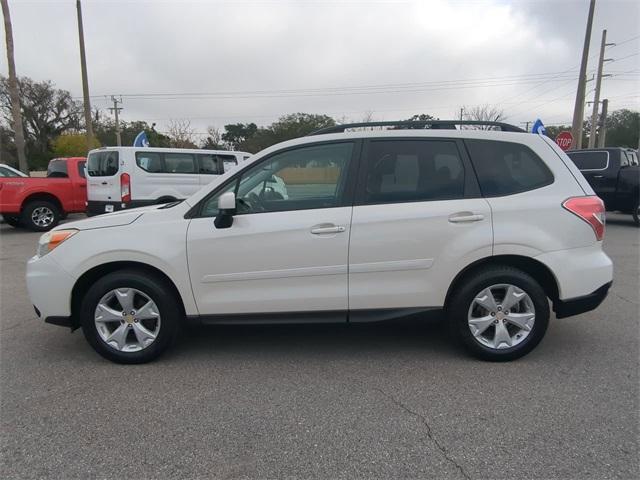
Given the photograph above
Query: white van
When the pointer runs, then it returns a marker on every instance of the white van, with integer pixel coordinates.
(126, 177)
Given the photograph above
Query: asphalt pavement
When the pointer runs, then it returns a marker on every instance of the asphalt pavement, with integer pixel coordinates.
(391, 400)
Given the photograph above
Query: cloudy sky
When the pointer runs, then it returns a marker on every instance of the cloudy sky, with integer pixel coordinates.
(217, 62)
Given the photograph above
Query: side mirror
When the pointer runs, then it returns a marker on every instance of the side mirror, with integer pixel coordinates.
(226, 210)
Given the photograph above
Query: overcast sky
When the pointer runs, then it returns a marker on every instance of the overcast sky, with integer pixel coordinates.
(256, 60)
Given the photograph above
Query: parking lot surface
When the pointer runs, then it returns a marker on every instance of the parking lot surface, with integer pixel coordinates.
(389, 400)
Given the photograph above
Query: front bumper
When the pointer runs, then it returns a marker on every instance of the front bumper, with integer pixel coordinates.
(578, 305)
(49, 288)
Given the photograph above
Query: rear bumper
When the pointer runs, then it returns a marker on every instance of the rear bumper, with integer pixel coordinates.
(578, 305)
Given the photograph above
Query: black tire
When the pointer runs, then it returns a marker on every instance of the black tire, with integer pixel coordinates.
(461, 301)
(635, 213)
(13, 220)
(156, 289)
(27, 220)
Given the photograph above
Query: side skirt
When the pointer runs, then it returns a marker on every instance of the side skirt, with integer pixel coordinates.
(331, 316)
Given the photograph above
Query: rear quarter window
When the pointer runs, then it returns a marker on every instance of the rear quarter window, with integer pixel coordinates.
(103, 164)
(590, 160)
(57, 168)
(506, 168)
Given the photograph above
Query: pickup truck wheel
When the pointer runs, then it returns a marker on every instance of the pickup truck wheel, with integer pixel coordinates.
(13, 220)
(129, 316)
(499, 314)
(636, 213)
(40, 216)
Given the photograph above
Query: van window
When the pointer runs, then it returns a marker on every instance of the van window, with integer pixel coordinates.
(590, 160)
(149, 161)
(57, 168)
(103, 164)
(228, 161)
(179, 163)
(413, 171)
(506, 168)
(209, 165)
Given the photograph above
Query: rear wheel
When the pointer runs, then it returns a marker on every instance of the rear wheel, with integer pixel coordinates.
(40, 216)
(130, 317)
(13, 220)
(499, 314)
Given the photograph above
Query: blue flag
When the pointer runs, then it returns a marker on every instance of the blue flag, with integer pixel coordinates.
(538, 128)
(141, 140)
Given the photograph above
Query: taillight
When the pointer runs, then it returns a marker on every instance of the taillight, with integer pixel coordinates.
(591, 210)
(125, 188)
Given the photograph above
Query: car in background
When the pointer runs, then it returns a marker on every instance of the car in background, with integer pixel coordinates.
(127, 177)
(40, 203)
(8, 171)
(614, 175)
(491, 227)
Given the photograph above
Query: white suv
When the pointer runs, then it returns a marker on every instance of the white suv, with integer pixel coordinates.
(490, 226)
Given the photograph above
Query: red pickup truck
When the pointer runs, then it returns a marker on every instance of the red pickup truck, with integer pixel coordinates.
(40, 203)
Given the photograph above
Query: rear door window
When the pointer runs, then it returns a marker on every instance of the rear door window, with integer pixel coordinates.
(590, 160)
(413, 171)
(57, 169)
(506, 168)
(228, 161)
(103, 164)
(81, 169)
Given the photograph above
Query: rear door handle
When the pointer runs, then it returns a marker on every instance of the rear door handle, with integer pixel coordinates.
(597, 176)
(466, 217)
(325, 228)
(103, 183)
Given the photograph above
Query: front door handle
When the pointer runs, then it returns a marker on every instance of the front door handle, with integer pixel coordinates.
(466, 217)
(325, 228)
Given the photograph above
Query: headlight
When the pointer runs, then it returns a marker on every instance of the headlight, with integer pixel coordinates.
(51, 240)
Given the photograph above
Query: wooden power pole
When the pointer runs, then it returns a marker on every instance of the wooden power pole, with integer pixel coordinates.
(85, 80)
(13, 90)
(116, 111)
(578, 110)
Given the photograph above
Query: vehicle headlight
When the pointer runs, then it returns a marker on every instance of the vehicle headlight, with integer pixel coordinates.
(51, 240)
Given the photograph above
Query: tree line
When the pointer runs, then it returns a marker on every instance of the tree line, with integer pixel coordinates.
(53, 125)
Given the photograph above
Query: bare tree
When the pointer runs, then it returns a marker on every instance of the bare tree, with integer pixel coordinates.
(181, 133)
(13, 90)
(483, 113)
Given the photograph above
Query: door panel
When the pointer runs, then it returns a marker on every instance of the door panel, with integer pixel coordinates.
(412, 229)
(406, 254)
(270, 262)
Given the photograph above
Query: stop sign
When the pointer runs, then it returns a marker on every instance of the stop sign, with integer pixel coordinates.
(564, 140)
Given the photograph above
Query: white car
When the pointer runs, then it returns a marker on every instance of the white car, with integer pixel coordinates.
(489, 226)
(8, 171)
(129, 177)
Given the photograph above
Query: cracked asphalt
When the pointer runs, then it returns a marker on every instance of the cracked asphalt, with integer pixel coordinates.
(392, 400)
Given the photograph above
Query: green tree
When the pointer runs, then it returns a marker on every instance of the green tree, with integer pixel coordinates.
(72, 145)
(47, 112)
(105, 131)
(236, 134)
(623, 128)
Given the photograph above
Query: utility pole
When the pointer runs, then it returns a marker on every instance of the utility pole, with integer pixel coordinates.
(461, 112)
(578, 110)
(526, 124)
(115, 109)
(14, 93)
(85, 80)
(603, 123)
(596, 97)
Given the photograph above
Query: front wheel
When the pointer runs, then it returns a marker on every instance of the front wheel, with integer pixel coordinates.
(130, 316)
(499, 314)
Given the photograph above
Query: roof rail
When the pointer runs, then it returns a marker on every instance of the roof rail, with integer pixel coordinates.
(419, 124)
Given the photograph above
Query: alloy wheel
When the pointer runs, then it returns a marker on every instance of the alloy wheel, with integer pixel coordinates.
(127, 320)
(501, 316)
